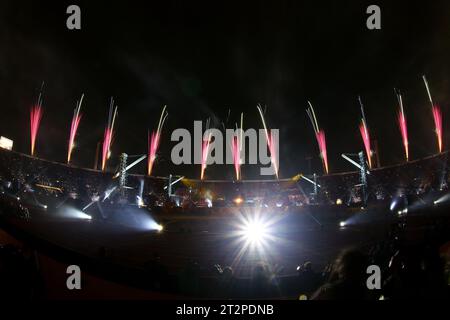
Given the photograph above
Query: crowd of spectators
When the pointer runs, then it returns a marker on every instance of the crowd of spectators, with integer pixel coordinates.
(413, 178)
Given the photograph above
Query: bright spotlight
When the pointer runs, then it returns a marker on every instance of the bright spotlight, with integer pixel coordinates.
(238, 200)
(140, 201)
(73, 213)
(393, 204)
(147, 223)
(255, 232)
(342, 224)
(442, 199)
(81, 215)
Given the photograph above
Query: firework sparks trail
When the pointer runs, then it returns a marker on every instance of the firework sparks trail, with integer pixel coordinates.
(365, 134)
(108, 136)
(241, 133)
(154, 140)
(428, 90)
(236, 157)
(270, 145)
(437, 115)
(236, 148)
(74, 128)
(273, 151)
(366, 139)
(35, 116)
(35, 120)
(402, 125)
(205, 151)
(106, 147)
(320, 136)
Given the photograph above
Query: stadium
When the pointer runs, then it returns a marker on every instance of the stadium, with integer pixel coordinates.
(160, 228)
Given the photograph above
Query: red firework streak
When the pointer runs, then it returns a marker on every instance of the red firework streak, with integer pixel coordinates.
(366, 139)
(320, 136)
(205, 151)
(272, 150)
(74, 128)
(237, 157)
(35, 120)
(107, 139)
(402, 126)
(365, 135)
(154, 141)
(236, 147)
(437, 116)
(270, 145)
(109, 131)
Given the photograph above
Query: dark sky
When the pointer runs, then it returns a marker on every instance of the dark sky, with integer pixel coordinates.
(203, 58)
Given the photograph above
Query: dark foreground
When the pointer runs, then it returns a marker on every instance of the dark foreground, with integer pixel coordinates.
(205, 257)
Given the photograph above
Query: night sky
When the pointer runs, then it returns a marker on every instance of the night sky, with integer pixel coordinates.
(204, 58)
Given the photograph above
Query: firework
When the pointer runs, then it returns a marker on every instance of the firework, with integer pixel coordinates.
(35, 120)
(108, 136)
(236, 149)
(320, 136)
(154, 140)
(74, 127)
(205, 151)
(269, 139)
(402, 125)
(237, 157)
(365, 134)
(242, 131)
(437, 116)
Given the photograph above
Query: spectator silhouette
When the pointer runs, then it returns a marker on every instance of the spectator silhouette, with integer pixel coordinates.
(348, 280)
(308, 280)
(261, 284)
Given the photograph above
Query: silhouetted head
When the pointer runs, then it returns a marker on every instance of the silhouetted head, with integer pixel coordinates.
(260, 271)
(227, 272)
(351, 265)
(307, 266)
